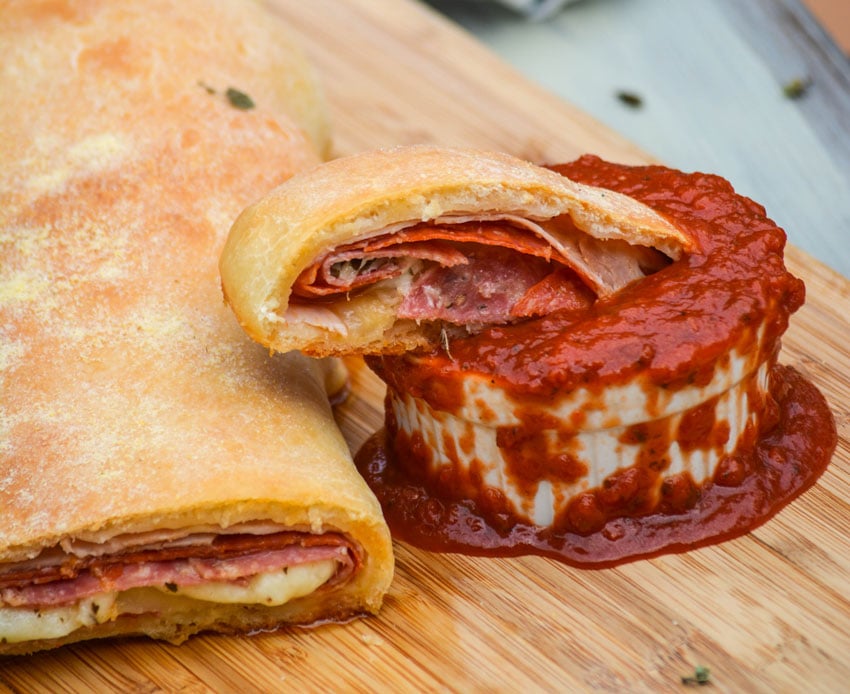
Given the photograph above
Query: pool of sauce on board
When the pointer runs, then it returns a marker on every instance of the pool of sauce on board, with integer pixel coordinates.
(680, 322)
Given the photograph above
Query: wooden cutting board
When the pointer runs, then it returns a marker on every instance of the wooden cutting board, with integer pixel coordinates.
(767, 612)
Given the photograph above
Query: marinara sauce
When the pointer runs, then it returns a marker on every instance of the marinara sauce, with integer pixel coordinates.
(671, 328)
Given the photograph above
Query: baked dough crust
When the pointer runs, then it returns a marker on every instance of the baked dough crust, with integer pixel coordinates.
(131, 400)
(358, 196)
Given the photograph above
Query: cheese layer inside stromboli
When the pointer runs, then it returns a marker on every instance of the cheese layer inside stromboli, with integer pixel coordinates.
(385, 250)
(79, 584)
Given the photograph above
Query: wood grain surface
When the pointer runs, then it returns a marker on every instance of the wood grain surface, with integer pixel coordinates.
(769, 612)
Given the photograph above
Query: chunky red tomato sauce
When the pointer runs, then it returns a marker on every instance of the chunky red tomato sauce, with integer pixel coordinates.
(671, 329)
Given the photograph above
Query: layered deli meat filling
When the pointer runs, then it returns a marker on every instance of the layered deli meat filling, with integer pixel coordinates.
(469, 273)
(80, 583)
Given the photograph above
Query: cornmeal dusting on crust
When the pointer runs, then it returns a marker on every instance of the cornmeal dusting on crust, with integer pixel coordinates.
(95, 153)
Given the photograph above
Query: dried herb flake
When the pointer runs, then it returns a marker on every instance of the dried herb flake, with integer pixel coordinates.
(797, 88)
(630, 99)
(239, 99)
(172, 587)
(701, 676)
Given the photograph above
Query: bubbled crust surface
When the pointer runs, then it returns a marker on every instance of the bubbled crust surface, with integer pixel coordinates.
(348, 198)
(131, 398)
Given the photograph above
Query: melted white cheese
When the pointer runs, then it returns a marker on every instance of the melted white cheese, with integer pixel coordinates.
(274, 588)
(22, 624)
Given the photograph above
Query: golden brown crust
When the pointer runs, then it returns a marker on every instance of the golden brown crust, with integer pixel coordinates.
(276, 238)
(143, 58)
(131, 399)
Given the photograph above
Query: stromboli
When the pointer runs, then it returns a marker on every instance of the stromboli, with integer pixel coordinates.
(396, 191)
(513, 425)
(159, 474)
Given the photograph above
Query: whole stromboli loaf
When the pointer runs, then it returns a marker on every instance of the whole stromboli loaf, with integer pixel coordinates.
(160, 474)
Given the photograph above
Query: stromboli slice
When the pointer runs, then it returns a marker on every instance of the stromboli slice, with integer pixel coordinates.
(329, 262)
(655, 419)
(244, 565)
(580, 361)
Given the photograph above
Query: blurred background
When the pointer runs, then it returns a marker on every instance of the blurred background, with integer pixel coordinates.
(757, 91)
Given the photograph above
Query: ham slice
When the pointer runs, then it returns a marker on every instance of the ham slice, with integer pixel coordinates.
(495, 285)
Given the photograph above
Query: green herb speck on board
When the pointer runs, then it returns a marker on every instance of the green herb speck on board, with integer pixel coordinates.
(701, 676)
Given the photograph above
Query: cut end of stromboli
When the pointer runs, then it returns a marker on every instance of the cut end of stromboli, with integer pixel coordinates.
(327, 263)
(243, 567)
